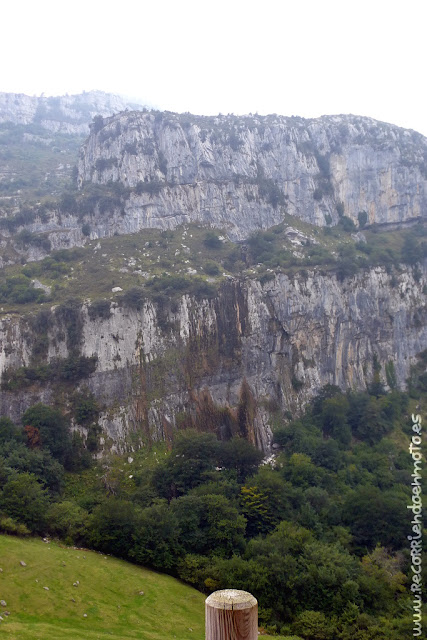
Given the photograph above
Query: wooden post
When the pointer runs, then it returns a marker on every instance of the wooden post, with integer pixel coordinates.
(231, 615)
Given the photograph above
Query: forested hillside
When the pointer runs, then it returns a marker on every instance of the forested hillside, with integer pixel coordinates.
(318, 531)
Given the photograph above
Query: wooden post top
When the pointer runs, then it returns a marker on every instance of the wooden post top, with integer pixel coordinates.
(231, 599)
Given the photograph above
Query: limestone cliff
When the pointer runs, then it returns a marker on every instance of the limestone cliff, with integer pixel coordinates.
(242, 173)
(229, 362)
(66, 114)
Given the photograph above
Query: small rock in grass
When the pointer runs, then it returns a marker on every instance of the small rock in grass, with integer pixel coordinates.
(3, 603)
(6, 613)
(1, 570)
(46, 588)
(141, 593)
(23, 564)
(85, 615)
(72, 600)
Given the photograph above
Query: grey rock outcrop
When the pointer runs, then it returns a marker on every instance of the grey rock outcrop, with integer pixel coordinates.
(67, 114)
(226, 363)
(243, 173)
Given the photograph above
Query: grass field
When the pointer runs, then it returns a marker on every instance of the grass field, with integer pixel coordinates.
(108, 593)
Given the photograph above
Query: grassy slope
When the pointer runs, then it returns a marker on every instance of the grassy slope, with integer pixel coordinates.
(108, 593)
(130, 260)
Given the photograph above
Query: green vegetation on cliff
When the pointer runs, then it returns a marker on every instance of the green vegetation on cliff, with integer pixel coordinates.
(194, 260)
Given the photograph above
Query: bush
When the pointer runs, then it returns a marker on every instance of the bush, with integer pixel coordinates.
(68, 203)
(19, 290)
(86, 229)
(99, 309)
(347, 265)
(69, 521)
(134, 298)
(26, 238)
(86, 408)
(71, 369)
(362, 216)
(340, 208)
(10, 526)
(69, 314)
(323, 164)
(296, 383)
(212, 240)
(347, 224)
(97, 124)
(269, 190)
(211, 268)
(163, 163)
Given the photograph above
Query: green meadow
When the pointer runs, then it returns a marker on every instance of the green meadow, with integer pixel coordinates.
(108, 593)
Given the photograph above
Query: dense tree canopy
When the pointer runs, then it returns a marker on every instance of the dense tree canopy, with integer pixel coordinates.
(319, 536)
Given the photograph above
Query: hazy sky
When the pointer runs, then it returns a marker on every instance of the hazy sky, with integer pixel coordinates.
(302, 57)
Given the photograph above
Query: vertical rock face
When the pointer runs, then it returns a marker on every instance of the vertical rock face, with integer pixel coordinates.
(242, 173)
(225, 364)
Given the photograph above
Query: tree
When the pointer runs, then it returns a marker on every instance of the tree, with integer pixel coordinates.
(313, 625)
(376, 516)
(53, 429)
(301, 472)
(69, 521)
(328, 455)
(333, 419)
(156, 539)
(112, 526)
(24, 499)
(209, 524)
(372, 424)
(33, 437)
(255, 508)
(241, 455)
(48, 471)
(8, 430)
(193, 455)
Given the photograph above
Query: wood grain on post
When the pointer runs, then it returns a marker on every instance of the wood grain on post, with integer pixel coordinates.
(231, 615)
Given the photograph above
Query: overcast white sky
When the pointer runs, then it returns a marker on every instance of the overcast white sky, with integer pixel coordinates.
(302, 57)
